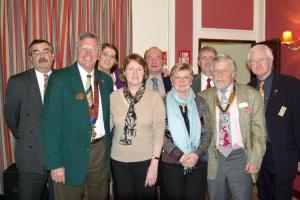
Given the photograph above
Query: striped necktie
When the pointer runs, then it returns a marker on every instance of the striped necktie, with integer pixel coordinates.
(89, 91)
(46, 78)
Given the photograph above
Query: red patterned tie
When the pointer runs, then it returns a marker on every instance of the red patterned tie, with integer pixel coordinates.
(224, 128)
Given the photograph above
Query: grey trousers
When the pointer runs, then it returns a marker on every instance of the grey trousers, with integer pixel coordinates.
(232, 179)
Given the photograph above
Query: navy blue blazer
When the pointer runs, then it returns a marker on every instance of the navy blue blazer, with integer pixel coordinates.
(283, 124)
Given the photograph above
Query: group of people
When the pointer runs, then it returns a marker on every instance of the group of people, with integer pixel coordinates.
(186, 133)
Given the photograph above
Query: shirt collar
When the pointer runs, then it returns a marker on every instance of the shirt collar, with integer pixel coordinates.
(83, 72)
(203, 76)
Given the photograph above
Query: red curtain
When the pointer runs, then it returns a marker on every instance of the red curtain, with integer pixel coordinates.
(60, 22)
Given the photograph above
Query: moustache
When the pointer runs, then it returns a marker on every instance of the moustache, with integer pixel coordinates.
(42, 60)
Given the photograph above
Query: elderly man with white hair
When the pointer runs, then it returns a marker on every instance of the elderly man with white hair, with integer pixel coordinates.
(239, 137)
(281, 96)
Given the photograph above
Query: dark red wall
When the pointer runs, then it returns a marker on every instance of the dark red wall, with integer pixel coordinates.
(282, 16)
(184, 27)
(229, 14)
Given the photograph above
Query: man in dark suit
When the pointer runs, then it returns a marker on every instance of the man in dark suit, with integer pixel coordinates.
(75, 126)
(23, 112)
(281, 96)
(203, 80)
(156, 81)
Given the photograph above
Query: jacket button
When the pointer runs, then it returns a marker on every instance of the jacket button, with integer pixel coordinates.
(27, 114)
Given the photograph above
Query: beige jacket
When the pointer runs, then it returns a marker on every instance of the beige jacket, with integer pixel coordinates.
(252, 124)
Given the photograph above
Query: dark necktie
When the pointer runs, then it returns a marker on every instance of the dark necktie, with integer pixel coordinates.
(208, 83)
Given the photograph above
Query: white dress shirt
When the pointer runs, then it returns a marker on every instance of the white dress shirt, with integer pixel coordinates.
(160, 83)
(41, 80)
(100, 131)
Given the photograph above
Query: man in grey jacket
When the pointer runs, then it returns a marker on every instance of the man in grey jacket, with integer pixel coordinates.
(22, 112)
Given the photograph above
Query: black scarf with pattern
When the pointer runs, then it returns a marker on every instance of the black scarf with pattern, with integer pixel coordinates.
(130, 120)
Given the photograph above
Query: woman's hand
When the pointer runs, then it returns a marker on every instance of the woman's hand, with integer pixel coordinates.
(193, 160)
(152, 173)
(189, 160)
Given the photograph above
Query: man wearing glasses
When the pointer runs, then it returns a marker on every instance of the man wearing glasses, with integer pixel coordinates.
(75, 126)
(23, 112)
(281, 95)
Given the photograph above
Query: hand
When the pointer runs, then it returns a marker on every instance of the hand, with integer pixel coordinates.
(58, 175)
(250, 168)
(184, 160)
(298, 166)
(189, 160)
(152, 173)
(192, 160)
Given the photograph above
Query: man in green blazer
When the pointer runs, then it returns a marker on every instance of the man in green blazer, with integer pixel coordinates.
(75, 126)
(239, 135)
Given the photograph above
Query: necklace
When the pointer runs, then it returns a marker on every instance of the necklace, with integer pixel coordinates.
(229, 102)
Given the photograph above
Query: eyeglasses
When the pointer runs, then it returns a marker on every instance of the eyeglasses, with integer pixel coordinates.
(89, 49)
(135, 69)
(38, 53)
(184, 78)
(105, 55)
(151, 59)
(262, 60)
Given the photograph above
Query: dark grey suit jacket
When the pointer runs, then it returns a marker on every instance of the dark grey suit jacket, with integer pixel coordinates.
(22, 111)
(196, 85)
(167, 83)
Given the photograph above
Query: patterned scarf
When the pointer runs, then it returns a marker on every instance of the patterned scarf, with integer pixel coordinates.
(130, 120)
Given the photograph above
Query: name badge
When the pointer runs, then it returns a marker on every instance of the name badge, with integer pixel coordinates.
(243, 105)
(282, 111)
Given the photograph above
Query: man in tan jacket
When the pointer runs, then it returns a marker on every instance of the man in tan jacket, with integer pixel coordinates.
(239, 135)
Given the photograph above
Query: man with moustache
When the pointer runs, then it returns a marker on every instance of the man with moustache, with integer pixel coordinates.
(75, 126)
(281, 94)
(238, 141)
(203, 80)
(23, 112)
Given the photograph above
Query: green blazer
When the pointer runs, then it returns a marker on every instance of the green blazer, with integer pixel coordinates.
(252, 124)
(66, 127)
